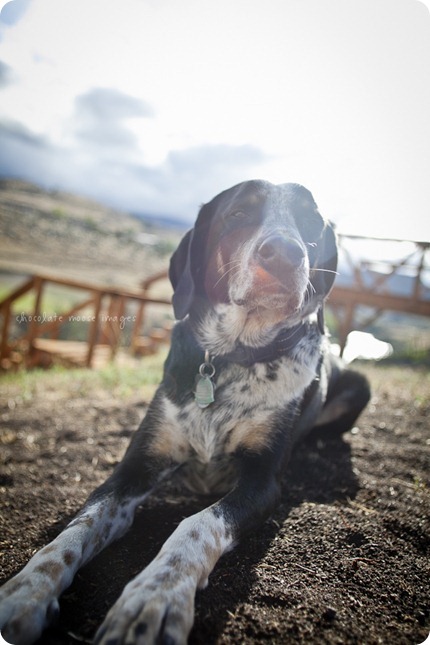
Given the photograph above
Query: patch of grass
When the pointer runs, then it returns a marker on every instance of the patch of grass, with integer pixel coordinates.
(402, 380)
(91, 224)
(114, 380)
(410, 356)
(126, 381)
(58, 213)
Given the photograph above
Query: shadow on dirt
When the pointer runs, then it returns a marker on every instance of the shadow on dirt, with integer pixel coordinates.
(320, 472)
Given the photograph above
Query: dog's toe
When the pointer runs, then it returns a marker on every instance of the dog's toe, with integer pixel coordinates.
(150, 611)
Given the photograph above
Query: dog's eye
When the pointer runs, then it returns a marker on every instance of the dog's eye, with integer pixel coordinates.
(238, 215)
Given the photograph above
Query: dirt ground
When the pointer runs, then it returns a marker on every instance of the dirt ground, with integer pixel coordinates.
(344, 559)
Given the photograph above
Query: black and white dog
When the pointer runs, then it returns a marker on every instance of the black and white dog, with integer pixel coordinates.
(249, 373)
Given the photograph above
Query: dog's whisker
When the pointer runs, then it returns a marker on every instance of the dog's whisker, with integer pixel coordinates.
(232, 264)
(325, 270)
(226, 264)
(309, 292)
(237, 266)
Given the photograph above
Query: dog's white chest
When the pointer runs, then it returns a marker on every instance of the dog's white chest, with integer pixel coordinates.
(246, 401)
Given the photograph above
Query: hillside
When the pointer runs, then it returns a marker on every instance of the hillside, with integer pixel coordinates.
(67, 235)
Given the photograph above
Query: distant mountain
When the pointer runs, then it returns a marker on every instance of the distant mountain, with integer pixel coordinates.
(163, 221)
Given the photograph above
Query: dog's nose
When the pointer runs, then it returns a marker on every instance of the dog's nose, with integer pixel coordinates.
(277, 251)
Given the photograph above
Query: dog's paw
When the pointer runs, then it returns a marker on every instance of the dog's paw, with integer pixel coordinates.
(25, 610)
(156, 607)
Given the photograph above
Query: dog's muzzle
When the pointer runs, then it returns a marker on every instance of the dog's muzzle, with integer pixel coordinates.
(280, 256)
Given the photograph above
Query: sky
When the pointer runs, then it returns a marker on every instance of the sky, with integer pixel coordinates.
(155, 106)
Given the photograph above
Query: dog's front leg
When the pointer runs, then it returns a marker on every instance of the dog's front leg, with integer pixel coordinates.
(29, 601)
(158, 605)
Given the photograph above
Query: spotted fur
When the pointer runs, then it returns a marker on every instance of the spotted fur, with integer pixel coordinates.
(249, 284)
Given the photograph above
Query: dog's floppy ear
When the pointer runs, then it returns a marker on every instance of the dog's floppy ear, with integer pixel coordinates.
(320, 239)
(181, 277)
(186, 265)
(324, 261)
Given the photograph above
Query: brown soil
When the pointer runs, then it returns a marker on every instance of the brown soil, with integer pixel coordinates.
(343, 560)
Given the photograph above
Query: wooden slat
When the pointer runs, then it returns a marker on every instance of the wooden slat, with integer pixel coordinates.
(106, 290)
(72, 352)
(92, 338)
(20, 291)
(345, 296)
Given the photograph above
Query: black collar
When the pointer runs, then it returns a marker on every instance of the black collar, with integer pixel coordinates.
(282, 345)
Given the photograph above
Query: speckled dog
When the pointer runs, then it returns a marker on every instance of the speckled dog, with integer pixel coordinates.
(249, 373)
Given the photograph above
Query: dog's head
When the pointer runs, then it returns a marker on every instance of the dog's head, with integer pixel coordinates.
(259, 246)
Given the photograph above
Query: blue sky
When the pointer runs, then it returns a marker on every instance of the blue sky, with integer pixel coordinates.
(157, 105)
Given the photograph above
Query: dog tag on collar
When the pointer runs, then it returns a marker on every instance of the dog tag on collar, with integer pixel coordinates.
(204, 394)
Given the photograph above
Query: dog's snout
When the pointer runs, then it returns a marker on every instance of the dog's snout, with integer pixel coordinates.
(276, 249)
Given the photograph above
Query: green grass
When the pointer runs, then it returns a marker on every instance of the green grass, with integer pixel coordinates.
(408, 383)
(119, 381)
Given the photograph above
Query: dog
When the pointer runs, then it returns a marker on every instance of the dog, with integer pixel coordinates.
(249, 374)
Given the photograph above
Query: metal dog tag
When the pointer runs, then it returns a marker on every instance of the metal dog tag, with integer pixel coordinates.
(204, 394)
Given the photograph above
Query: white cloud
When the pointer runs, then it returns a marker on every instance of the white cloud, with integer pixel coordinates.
(100, 119)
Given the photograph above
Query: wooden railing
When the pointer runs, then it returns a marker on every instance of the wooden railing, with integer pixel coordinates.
(105, 306)
(370, 284)
(106, 312)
